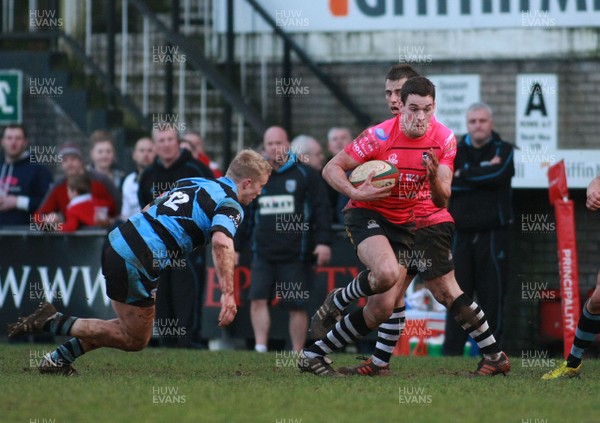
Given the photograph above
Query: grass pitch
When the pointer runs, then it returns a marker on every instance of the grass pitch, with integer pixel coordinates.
(165, 385)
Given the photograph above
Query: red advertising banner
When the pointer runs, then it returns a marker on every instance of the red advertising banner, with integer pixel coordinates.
(569, 271)
(557, 180)
(567, 252)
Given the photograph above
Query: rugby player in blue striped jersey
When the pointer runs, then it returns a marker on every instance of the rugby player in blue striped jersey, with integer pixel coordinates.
(195, 212)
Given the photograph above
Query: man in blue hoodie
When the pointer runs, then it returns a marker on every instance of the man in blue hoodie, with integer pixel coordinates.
(23, 184)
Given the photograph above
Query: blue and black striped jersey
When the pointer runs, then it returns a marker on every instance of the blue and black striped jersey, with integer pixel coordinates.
(178, 222)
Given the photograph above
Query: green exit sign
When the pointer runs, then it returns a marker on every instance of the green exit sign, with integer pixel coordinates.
(11, 83)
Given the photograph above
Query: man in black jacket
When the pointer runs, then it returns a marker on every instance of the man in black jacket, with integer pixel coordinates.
(24, 181)
(178, 301)
(171, 163)
(482, 210)
(292, 231)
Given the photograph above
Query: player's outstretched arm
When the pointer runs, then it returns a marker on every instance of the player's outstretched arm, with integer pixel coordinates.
(334, 173)
(593, 194)
(224, 257)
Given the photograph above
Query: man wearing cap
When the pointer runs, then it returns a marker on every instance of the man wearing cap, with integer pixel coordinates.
(72, 164)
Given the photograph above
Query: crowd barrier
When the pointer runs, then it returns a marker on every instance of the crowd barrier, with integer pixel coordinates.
(65, 270)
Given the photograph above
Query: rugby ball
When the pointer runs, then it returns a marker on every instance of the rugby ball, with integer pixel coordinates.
(385, 175)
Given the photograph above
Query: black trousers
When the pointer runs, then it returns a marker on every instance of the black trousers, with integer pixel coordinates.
(481, 269)
(179, 302)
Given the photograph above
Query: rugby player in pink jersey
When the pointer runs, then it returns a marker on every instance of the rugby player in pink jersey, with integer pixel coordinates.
(423, 151)
(431, 257)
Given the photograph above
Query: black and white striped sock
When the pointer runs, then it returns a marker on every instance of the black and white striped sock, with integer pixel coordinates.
(345, 332)
(387, 337)
(358, 288)
(472, 319)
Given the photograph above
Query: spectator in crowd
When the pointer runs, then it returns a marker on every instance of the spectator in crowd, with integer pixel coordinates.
(170, 164)
(83, 209)
(179, 297)
(291, 233)
(23, 184)
(482, 210)
(143, 155)
(309, 151)
(57, 199)
(188, 146)
(195, 140)
(337, 140)
(103, 156)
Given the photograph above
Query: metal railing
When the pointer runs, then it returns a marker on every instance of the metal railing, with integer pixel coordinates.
(78, 51)
(116, 37)
(290, 45)
(98, 49)
(233, 98)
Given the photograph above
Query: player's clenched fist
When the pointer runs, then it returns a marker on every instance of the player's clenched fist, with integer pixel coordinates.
(228, 310)
(593, 200)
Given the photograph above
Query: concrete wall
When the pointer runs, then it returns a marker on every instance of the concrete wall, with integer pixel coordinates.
(315, 112)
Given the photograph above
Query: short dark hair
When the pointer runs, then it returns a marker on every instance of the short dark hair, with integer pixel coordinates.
(418, 85)
(401, 71)
(15, 126)
(79, 183)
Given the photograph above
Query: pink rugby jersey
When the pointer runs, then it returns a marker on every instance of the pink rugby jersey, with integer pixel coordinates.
(411, 198)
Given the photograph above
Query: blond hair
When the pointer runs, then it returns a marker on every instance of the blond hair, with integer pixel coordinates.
(248, 164)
